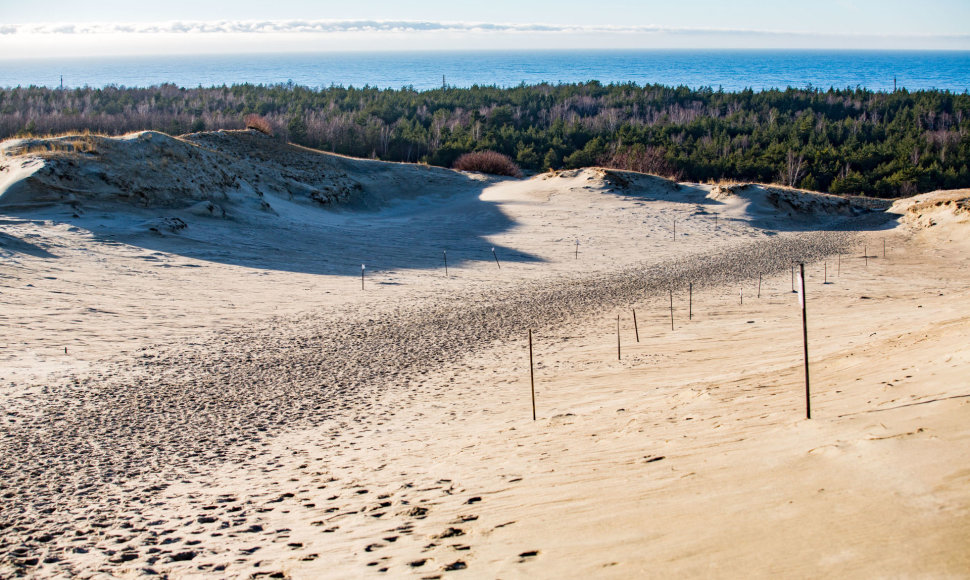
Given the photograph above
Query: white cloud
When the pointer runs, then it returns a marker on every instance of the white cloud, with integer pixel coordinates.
(299, 35)
(373, 26)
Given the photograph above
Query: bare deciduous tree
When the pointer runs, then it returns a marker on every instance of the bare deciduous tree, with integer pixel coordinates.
(794, 168)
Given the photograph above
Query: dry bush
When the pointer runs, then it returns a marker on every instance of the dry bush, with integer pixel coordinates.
(259, 123)
(491, 162)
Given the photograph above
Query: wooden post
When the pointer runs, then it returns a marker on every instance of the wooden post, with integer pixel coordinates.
(759, 284)
(802, 300)
(671, 309)
(617, 337)
(635, 329)
(532, 377)
(741, 294)
(577, 249)
(690, 301)
(361, 276)
(494, 255)
(445, 254)
(884, 248)
(793, 277)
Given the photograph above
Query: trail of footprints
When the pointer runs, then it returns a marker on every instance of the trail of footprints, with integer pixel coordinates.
(401, 530)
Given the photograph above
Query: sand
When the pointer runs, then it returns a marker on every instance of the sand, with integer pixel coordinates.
(193, 382)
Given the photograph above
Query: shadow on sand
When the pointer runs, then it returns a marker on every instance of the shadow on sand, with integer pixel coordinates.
(759, 212)
(305, 237)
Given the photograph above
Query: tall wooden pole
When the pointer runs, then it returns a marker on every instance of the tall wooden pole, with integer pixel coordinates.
(532, 377)
(635, 329)
(494, 255)
(361, 276)
(802, 301)
(445, 254)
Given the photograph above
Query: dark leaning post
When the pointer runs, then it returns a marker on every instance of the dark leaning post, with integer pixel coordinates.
(635, 329)
(532, 377)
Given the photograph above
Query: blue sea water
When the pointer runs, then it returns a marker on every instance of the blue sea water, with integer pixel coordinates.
(731, 70)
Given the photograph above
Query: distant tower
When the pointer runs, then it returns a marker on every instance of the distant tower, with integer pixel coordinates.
(443, 84)
(62, 82)
(894, 84)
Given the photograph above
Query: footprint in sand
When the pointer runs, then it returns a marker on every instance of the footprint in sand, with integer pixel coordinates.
(456, 565)
(450, 533)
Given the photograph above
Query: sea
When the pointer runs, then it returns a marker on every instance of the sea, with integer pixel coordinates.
(728, 70)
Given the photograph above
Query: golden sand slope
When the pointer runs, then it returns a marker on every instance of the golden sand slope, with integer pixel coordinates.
(230, 403)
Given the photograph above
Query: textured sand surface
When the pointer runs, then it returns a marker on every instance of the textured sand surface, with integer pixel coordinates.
(195, 392)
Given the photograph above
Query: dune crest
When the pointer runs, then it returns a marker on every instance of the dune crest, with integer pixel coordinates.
(938, 209)
(154, 170)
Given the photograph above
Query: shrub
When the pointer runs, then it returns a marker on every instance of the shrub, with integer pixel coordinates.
(261, 124)
(491, 162)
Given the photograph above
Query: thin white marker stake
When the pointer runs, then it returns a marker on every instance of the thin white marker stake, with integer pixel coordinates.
(362, 276)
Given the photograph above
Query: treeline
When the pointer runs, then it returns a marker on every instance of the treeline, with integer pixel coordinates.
(840, 140)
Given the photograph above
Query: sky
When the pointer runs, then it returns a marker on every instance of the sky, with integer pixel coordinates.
(59, 28)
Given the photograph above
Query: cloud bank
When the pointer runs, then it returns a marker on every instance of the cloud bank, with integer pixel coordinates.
(379, 26)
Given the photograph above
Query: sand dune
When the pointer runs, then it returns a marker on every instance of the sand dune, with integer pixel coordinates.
(194, 382)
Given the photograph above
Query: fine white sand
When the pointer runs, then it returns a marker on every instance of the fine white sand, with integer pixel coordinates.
(193, 382)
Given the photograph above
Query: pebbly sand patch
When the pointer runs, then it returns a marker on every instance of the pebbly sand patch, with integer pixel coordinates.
(231, 404)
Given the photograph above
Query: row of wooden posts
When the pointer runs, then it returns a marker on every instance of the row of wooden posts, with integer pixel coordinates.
(799, 289)
(444, 254)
